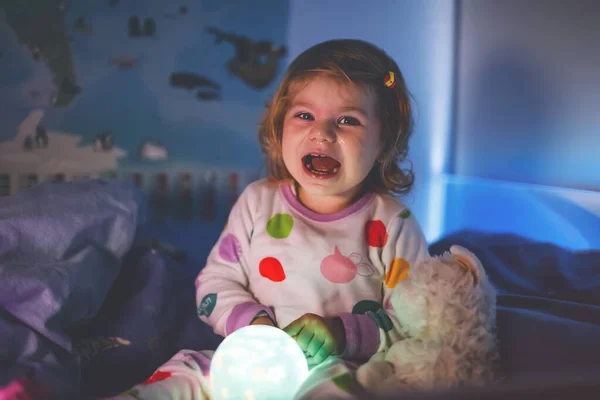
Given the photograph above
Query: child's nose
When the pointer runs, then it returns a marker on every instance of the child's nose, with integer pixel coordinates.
(323, 132)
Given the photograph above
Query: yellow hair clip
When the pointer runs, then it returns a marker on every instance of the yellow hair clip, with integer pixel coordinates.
(390, 80)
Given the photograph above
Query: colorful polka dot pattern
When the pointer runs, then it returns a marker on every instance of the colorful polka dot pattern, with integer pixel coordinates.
(336, 267)
(397, 271)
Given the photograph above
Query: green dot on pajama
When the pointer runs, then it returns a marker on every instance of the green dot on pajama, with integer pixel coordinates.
(364, 306)
(404, 214)
(382, 320)
(280, 226)
(375, 311)
(207, 305)
(345, 382)
(133, 393)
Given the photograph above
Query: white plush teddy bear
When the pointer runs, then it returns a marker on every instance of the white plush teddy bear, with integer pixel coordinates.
(447, 309)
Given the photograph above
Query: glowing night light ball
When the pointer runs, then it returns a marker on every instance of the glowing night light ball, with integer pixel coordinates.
(258, 362)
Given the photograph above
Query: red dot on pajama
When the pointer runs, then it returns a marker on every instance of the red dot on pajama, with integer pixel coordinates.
(157, 377)
(375, 233)
(272, 269)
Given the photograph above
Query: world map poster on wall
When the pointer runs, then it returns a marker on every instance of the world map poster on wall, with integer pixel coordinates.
(168, 94)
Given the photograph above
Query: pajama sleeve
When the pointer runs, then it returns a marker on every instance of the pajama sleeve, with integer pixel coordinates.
(378, 328)
(222, 297)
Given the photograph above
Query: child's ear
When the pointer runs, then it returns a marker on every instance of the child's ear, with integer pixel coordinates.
(467, 260)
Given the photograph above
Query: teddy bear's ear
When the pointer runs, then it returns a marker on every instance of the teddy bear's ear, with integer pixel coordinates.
(468, 260)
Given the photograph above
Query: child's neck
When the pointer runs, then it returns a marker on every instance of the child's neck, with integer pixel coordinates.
(327, 204)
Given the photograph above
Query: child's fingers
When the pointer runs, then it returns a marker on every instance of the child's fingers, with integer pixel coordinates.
(294, 328)
(325, 351)
(304, 338)
(314, 346)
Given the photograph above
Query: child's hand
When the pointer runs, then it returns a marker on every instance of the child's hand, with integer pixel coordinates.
(317, 337)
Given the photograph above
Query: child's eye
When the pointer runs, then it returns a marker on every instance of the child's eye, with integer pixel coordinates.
(305, 116)
(349, 121)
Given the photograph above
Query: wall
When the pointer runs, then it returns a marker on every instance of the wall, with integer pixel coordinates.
(419, 35)
(526, 135)
(529, 91)
(565, 217)
(168, 92)
(111, 83)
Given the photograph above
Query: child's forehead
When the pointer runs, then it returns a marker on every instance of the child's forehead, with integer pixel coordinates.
(307, 89)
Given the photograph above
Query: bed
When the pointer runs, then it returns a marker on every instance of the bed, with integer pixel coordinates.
(95, 296)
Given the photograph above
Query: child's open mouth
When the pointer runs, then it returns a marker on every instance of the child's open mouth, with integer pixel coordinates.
(320, 165)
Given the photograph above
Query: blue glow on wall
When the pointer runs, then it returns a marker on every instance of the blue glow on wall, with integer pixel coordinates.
(528, 92)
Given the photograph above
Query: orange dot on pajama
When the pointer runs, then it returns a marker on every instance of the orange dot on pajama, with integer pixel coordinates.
(157, 377)
(375, 233)
(271, 268)
(397, 272)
